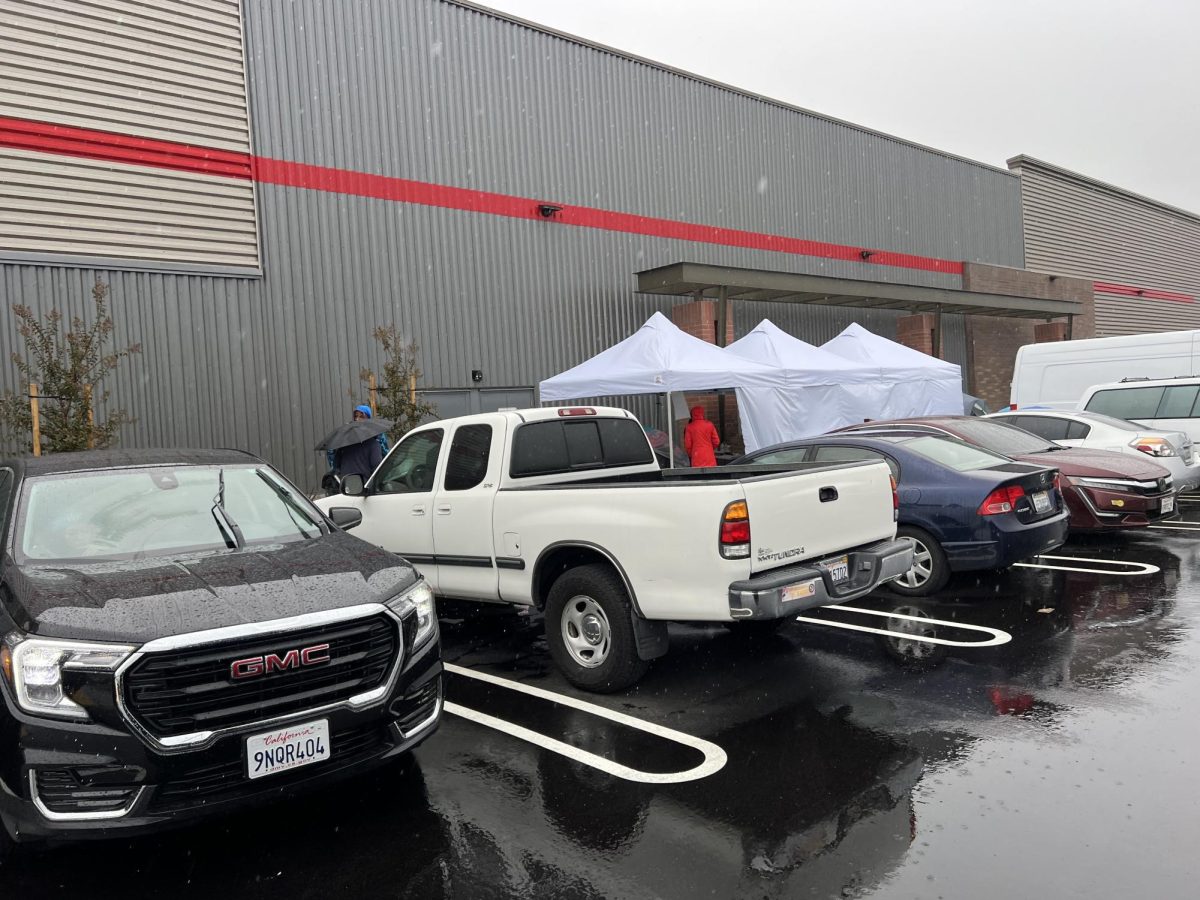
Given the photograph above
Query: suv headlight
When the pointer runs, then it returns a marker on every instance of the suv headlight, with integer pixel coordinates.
(419, 597)
(34, 668)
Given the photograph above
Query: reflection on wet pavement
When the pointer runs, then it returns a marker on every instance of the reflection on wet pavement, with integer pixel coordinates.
(1058, 764)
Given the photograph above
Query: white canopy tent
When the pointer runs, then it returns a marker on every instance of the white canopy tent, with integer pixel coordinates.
(916, 384)
(822, 390)
(658, 358)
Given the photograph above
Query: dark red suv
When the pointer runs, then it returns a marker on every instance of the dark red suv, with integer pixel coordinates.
(1102, 489)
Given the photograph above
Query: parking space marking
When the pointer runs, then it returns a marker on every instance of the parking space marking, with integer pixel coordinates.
(714, 756)
(1180, 526)
(1135, 568)
(995, 639)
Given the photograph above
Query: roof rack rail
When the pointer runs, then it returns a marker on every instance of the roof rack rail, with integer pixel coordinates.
(1160, 378)
(1136, 378)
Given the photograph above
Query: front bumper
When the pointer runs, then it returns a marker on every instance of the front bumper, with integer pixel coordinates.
(82, 780)
(1099, 509)
(793, 589)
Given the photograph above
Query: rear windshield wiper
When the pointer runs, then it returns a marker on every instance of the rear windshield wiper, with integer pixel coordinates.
(224, 520)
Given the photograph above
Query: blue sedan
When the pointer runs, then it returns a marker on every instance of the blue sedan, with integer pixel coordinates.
(965, 508)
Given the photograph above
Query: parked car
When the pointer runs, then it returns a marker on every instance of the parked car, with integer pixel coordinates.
(1172, 450)
(183, 633)
(1056, 374)
(1103, 490)
(1168, 404)
(567, 510)
(964, 508)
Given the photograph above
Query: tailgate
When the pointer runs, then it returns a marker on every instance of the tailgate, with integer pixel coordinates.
(813, 513)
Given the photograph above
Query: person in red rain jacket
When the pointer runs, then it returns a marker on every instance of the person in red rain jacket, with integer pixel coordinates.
(700, 439)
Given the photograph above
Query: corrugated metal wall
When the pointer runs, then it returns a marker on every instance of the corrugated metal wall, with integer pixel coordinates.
(166, 72)
(1076, 226)
(438, 92)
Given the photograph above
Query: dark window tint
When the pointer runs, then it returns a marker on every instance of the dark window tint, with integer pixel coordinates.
(1077, 431)
(1177, 402)
(624, 443)
(583, 444)
(6, 484)
(1049, 427)
(543, 448)
(411, 466)
(1127, 403)
(853, 454)
(469, 452)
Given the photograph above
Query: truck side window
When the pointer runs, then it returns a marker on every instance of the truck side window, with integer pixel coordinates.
(6, 483)
(1177, 402)
(410, 468)
(539, 448)
(468, 461)
(1126, 403)
(624, 443)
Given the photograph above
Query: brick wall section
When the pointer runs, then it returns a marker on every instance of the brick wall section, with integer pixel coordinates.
(1050, 331)
(916, 332)
(699, 319)
(992, 341)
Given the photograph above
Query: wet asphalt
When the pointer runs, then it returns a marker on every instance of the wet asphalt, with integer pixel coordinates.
(1060, 764)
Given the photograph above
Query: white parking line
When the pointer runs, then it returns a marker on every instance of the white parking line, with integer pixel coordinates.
(996, 638)
(1136, 568)
(1182, 526)
(714, 756)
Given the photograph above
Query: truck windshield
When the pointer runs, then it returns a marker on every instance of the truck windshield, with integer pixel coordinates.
(133, 513)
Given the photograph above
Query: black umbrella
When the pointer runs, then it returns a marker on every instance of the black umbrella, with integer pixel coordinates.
(353, 433)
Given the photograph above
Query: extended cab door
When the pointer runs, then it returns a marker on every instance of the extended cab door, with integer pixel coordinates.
(398, 509)
(462, 521)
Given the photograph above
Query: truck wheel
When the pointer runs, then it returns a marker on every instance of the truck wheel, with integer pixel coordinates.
(930, 571)
(589, 627)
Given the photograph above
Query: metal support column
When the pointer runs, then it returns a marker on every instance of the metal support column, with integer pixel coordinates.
(722, 312)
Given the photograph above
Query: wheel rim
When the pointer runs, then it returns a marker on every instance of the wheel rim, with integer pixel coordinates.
(586, 632)
(911, 649)
(922, 567)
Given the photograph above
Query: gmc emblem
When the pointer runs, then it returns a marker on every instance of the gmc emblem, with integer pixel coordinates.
(253, 666)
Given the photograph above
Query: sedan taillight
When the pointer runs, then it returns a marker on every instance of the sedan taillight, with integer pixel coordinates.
(1001, 500)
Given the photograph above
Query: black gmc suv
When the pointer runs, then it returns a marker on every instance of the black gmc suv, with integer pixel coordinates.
(184, 633)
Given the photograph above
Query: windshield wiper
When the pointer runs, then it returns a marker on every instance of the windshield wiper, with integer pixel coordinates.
(290, 504)
(224, 520)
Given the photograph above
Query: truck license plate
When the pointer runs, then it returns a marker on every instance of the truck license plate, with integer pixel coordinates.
(1168, 504)
(287, 748)
(839, 569)
(1041, 502)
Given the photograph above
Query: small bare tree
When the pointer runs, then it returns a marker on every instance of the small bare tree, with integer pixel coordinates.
(67, 365)
(396, 385)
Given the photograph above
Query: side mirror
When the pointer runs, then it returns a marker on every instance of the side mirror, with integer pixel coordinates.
(352, 486)
(345, 517)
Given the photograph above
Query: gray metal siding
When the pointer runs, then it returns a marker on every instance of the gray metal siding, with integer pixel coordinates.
(436, 92)
(1076, 227)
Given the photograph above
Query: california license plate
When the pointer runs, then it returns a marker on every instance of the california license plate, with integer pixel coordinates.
(287, 748)
(1168, 504)
(839, 569)
(1041, 502)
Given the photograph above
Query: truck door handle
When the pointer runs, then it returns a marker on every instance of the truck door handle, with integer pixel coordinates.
(827, 494)
(418, 510)
(443, 510)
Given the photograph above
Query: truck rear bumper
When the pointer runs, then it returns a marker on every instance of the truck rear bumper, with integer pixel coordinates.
(793, 589)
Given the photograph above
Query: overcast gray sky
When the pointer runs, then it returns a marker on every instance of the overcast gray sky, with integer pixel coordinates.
(1109, 89)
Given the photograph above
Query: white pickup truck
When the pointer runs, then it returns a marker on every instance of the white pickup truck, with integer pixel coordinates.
(567, 510)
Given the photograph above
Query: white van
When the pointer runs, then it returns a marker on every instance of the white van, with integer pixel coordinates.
(1055, 375)
(1166, 404)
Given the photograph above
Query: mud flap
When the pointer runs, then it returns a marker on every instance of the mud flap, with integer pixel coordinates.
(652, 638)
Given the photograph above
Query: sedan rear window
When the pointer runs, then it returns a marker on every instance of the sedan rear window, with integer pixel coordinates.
(1003, 439)
(129, 514)
(954, 454)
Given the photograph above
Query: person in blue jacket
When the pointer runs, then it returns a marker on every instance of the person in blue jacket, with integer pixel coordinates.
(361, 458)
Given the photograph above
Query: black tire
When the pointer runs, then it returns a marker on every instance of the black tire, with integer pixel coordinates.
(588, 612)
(930, 570)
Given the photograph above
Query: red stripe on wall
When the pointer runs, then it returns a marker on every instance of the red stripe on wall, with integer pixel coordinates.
(108, 146)
(1125, 290)
(112, 147)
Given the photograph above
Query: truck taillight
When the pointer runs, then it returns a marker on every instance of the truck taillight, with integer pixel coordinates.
(735, 531)
(1001, 500)
(895, 499)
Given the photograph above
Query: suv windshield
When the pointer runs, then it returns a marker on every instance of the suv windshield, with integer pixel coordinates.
(132, 513)
(1007, 440)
